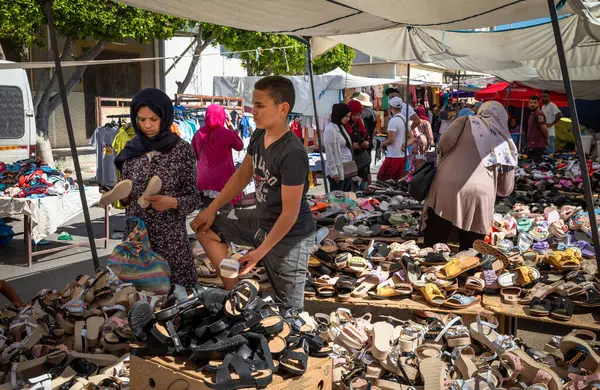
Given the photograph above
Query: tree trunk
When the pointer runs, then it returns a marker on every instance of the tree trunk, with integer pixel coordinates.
(249, 69)
(50, 99)
(201, 44)
(2, 56)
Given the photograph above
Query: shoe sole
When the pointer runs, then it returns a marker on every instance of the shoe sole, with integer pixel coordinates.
(121, 191)
(154, 186)
(139, 316)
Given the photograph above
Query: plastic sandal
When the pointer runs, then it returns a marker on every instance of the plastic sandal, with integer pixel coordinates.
(457, 266)
(485, 333)
(578, 353)
(369, 282)
(433, 295)
(154, 186)
(540, 307)
(121, 191)
(562, 309)
(510, 295)
(295, 359)
(521, 277)
(461, 301)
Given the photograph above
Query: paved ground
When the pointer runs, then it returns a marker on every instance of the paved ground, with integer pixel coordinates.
(57, 270)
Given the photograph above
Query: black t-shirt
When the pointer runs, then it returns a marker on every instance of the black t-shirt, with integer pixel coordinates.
(285, 162)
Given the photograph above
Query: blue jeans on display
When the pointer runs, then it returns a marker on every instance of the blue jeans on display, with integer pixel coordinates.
(550, 148)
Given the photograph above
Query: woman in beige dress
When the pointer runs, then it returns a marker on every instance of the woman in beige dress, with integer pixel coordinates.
(476, 161)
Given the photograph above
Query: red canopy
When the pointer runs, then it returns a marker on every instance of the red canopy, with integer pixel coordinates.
(519, 94)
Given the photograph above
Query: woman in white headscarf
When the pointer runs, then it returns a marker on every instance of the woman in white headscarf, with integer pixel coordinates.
(476, 161)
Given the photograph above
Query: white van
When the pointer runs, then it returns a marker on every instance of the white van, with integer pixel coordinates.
(17, 119)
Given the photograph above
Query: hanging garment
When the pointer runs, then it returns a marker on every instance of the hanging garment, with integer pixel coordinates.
(102, 140)
(175, 129)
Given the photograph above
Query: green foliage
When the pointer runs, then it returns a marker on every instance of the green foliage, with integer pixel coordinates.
(21, 21)
(291, 61)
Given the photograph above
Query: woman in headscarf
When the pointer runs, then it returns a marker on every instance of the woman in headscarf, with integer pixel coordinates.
(360, 142)
(423, 140)
(213, 145)
(338, 148)
(156, 151)
(476, 161)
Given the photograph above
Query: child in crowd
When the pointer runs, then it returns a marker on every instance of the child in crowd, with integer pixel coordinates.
(281, 228)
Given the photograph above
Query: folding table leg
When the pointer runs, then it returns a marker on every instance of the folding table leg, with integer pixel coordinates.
(27, 235)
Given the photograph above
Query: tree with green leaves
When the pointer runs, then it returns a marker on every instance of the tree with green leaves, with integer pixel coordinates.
(264, 60)
(23, 24)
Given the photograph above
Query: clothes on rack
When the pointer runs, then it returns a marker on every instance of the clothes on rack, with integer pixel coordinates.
(123, 136)
(102, 140)
(248, 125)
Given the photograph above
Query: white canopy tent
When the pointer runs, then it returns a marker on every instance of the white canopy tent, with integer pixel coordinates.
(526, 54)
(327, 89)
(329, 17)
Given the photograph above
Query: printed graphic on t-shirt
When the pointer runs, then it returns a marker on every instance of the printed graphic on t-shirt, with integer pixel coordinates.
(262, 178)
(108, 150)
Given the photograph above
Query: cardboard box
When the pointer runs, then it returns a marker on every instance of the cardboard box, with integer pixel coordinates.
(171, 373)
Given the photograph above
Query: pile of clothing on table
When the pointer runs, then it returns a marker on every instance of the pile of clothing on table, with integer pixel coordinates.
(79, 337)
(33, 178)
(450, 352)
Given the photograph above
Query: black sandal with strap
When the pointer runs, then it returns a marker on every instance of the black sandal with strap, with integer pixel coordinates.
(244, 375)
(295, 359)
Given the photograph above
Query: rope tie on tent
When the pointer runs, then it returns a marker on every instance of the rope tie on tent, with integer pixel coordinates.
(287, 65)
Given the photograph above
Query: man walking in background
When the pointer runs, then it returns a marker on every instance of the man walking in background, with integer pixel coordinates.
(553, 115)
(537, 131)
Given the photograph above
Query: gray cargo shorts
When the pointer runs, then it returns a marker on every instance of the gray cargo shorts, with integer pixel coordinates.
(286, 264)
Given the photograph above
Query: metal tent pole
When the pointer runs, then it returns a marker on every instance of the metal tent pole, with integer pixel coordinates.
(576, 129)
(406, 103)
(521, 125)
(65, 105)
(314, 99)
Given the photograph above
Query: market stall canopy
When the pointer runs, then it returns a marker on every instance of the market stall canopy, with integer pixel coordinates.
(524, 54)
(328, 17)
(327, 88)
(518, 95)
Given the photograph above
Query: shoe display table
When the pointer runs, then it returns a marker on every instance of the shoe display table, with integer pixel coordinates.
(509, 314)
(168, 372)
(411, 304)
(43, 216)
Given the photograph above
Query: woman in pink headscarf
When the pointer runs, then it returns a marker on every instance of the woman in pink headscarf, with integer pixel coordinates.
(212, 146)
(423, 140)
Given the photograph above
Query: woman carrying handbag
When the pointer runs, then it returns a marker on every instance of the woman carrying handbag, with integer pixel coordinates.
(477, 158)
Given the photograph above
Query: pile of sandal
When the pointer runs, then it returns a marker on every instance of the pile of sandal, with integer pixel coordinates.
(384, 209)
(71, 338)
(448, 352)
(237, 339)
(551, 283)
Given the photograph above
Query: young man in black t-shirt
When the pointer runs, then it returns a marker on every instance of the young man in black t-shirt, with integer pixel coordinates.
(281, 228)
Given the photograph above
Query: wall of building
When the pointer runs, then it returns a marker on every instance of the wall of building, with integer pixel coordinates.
(379, 70)
(211, 64)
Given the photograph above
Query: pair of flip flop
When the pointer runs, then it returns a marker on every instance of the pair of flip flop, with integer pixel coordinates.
(123, 189)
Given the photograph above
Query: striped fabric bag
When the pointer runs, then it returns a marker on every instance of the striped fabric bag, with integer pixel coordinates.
(133, 261)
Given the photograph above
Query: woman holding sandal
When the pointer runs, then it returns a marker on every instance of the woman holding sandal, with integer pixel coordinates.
(158, 182)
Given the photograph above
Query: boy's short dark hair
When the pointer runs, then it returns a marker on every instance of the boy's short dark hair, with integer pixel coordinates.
(279, 88)
(545, 92)
(534, 97)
